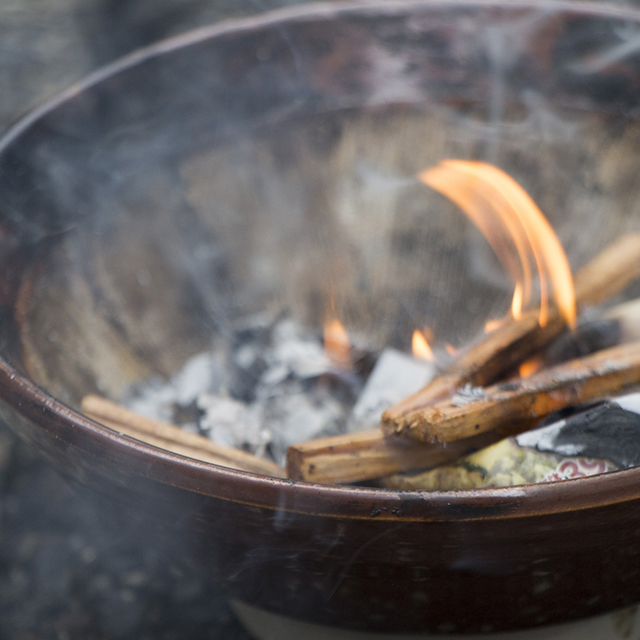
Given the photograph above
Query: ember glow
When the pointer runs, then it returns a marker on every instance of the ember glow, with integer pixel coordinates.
(336, 342)
(516, 229)
(450, 349)
(420, 346)
(492, 325)
(529, 367)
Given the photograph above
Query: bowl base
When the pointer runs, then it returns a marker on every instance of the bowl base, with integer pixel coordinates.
(263, 625)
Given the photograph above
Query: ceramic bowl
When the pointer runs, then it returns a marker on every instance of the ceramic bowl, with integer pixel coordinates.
(255, 165)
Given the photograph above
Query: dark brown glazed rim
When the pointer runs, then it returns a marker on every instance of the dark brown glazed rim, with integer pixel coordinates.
(244, 488)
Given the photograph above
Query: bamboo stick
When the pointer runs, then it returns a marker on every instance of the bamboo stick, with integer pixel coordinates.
(571, 383)
(172, 438)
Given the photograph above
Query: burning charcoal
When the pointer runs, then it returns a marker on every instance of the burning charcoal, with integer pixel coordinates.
(252, 330)
(596, 331)
(188, 416)
(364, 360)
(247, 363)
(586, 338)
(395, 376)
(609, 430)
(274, 375)
(344, 385)
(247, 367)
(297, 353)
(232, 423)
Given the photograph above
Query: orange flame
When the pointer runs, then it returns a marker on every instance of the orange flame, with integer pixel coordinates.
(492, 325)
(420, 346)
(529, 367)
(515, 228)
(336, 342)
(450, 349)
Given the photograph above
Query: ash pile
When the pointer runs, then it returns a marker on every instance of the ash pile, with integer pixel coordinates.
(271, 384)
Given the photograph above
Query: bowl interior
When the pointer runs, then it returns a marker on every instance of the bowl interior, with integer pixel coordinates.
(270, 168)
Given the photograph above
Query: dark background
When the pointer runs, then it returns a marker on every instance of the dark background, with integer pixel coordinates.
(73, 565)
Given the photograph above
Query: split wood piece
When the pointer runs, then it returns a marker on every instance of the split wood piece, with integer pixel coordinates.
(572, 383)
(367, 455)
(499, 352)
(174, 439)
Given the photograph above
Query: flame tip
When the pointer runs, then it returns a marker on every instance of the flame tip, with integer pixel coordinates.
(503, 210)
(336, 342)
(420, 345)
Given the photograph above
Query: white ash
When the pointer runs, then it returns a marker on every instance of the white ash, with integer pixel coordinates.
(629, 402)
(270, 385)
(299, 355)
(607, 430)
(544, 439)
(293, 413)
(157, 399)
(233, 423)
(267, 386)
(154, 400)
(395, 376)
(202, 373)
(291, 401)
(467, 394)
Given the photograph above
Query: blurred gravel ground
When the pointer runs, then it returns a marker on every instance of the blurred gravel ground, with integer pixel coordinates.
(75, 565)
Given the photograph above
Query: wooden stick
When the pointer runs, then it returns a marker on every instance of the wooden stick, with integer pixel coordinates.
(363, 456)
(610, 272)
(627, 316)
(571, 383)
(499, 352)
(172, 438)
